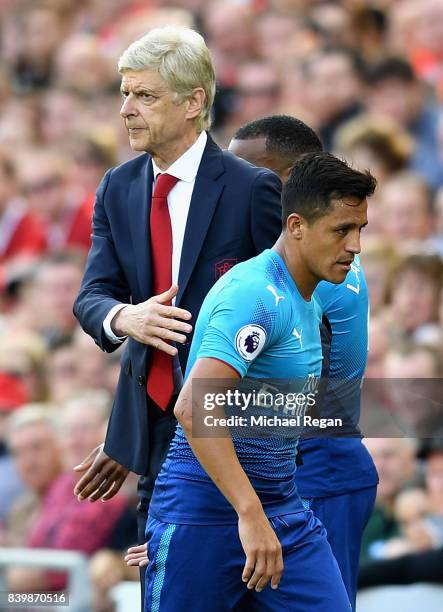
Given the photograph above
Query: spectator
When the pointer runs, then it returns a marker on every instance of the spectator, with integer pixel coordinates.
(229, 31)
(414, 389)
(62, 371)
(45, 183)
(396, 463)
(23, 355)
(62, 521)
(32, 438)
(83, 67)
(404, 203)
(378, 260)
(427, 532)
(415, 293)
(54, 286)
(333, 87)
(61, 115)
(21, 232)
(93, 154)
(374, 143)
(91, 363)
(427, 54)
(257, 92)
(394, 91)
(378, 347)
(41, 33)
(12, 396)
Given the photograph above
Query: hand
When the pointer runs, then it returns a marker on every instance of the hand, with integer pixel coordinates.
(264, 559)
(154, 322)
(103, 479)
(137, 555)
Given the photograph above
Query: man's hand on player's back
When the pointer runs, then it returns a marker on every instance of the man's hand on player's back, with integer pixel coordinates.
(103, 478)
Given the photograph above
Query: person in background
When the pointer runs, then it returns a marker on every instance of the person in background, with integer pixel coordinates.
(12, 396)
(61, 521)
(66, 218)
(22, 234)
(425, 528)
(32, 438)
(396, 463)
(332, 78)
(394, 91)
(415, 288)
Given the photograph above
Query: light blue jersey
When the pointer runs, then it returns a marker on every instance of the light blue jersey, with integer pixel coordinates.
(255, 320)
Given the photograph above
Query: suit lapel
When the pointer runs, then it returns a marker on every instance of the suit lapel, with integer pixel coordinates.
(206, 194)
(139, 207)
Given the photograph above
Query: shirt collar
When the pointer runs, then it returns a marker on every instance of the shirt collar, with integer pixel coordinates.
(185, 168)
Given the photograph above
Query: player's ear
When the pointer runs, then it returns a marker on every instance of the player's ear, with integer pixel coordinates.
(294, 225)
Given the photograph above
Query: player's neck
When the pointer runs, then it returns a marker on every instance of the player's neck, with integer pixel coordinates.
(304, 279)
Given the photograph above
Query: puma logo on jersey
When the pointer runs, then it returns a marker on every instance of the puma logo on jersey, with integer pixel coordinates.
(297, 334)
(275, 294)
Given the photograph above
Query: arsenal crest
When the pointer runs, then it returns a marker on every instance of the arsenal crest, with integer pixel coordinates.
(224, 266)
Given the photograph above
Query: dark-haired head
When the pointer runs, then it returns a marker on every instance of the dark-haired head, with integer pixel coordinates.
(324, 210)
(275, 142)
(317, 181)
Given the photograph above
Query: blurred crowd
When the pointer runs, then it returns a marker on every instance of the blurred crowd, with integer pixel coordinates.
(367, 75)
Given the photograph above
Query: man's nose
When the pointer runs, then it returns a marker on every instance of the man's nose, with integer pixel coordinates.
(354, 243)
(128, 108)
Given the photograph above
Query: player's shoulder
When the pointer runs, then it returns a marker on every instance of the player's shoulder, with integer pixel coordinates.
(257, 281)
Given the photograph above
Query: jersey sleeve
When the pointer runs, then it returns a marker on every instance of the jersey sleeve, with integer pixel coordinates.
(243, 322)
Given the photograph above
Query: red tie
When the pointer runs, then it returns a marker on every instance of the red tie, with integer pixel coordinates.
(160, 385)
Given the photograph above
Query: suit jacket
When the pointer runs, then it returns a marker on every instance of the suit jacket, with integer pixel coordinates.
(234, 214)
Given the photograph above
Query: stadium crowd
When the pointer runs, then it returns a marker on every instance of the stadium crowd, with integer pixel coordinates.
(367, 75)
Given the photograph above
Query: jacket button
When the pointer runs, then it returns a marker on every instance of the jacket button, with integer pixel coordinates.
(141, 381)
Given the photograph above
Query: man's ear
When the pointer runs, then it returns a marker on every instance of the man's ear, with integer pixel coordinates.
(294, 225)
(195, 103)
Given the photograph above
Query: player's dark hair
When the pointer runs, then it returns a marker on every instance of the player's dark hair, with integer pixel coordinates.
(389, 68)
(317, 179)
(285, 135)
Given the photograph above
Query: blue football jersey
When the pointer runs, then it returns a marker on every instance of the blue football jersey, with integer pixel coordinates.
(337, 465)
(255, 320)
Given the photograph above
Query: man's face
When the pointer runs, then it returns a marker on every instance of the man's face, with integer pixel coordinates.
(396, 99)
(36, 455)
(153, 121)
(405, 213)
(395, 463)
(329, 245)
(331, 85)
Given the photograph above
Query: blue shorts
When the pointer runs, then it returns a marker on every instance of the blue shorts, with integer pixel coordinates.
(198, 568)
(345, 517)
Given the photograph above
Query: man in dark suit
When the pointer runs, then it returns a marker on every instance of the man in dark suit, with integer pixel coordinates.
(166, 226)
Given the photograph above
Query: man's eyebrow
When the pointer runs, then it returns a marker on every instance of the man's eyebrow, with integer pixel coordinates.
(351, 225)
(140, 89)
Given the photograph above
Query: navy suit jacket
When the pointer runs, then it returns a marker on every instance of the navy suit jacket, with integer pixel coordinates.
(234, 214)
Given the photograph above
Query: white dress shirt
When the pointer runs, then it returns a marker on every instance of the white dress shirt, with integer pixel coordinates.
(185, 168)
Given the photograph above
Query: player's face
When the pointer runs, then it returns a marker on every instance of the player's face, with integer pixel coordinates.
(154, 122)
(330, 244)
